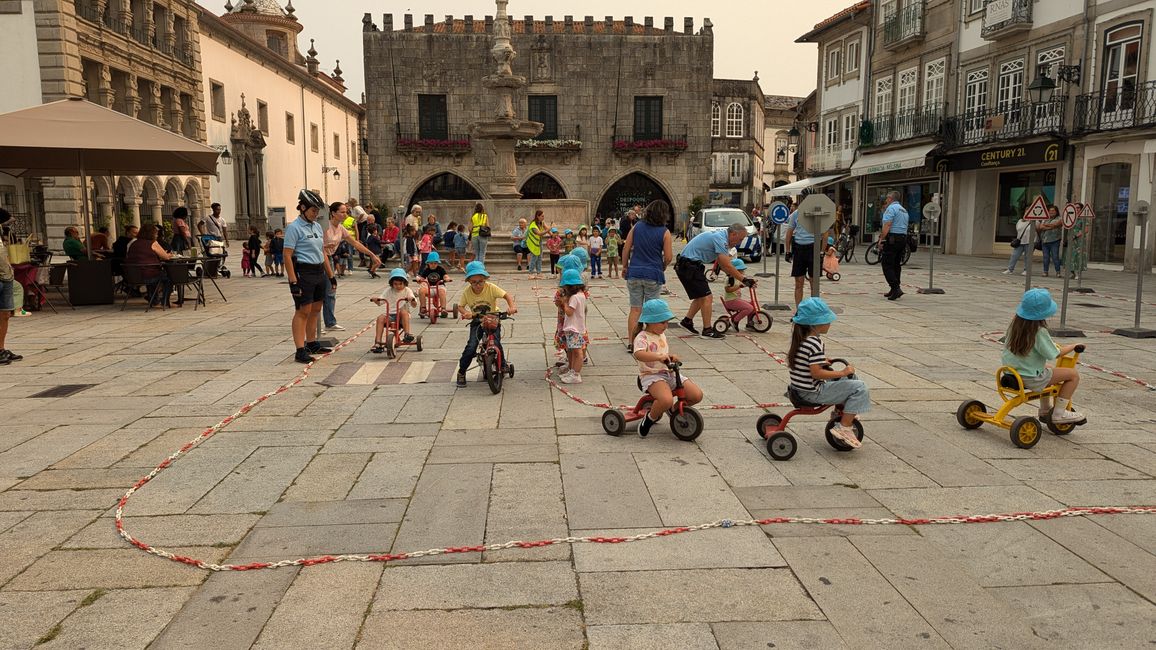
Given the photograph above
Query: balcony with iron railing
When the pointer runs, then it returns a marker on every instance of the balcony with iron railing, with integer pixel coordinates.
(1003, 18)
(904, 26)
(728, 180)
(830, 159)
(906, 125)
(672, 140)
(453, 143)
(1111, 110)
(1017, 120)
(157, 42)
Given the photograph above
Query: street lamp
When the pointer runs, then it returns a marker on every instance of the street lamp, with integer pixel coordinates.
(336, 174)
(793, 136)
(1042, 87)
(225, 158)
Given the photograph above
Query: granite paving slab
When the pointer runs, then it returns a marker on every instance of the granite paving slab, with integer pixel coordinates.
(324, 607)
(484, 629)
(459, 586)
(786, 635)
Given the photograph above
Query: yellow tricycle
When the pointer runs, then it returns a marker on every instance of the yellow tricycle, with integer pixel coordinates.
(1024, 430)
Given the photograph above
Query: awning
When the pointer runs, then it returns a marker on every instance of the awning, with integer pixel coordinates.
(798, 187)
(888, 161)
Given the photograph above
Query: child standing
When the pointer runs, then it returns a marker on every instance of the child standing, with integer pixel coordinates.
(733, 298)
(613, 243)
(568, 241)
(461, 241)
(398, 312)
(277, 247)
(582, 241)
(652, 352)
(267, 248)
(811, 373)
(373, 243)
(426, 245)
(554, 246)
(253, 248)
(565, 263)
(1028, 348)
(448, 243)
(574, 324)
(409, 253)
(596, 254)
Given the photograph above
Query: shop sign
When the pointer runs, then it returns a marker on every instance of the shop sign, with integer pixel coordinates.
(998, 11)
(1007, 156)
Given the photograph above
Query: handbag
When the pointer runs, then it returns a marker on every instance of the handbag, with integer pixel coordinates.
(484, 229)
(1039, 245)
(19, 254)
(912, 243)
(1015, 243)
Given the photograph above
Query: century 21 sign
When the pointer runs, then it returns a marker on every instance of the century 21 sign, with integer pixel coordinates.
(1040, 152)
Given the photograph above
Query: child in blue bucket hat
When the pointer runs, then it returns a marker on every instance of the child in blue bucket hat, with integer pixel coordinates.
(398, 298)
(479, 291)
(812, 376)
(652, 352)
(1028, 348)
(565, 263)
(572, 302)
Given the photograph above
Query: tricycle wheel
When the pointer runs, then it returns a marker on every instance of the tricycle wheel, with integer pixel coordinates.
(510, 370)
(389, 353)
(782, 445)
(613, 422)
(1062, 429)
(767, 421)
(433, 318)
(492, 372)
(835, 277)
(1025, 432)
(417, 342)
(837, 444)
(760, 321)
(721, 325)
(455, 312)
(967, 414)
(686, 425)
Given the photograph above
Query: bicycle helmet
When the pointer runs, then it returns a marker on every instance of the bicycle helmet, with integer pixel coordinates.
(739, 264)
(310, 199)
(398, 274)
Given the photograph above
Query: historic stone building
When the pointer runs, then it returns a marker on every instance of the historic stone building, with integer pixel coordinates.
(284, 123)
(780, 115)
(625, 107)
(738, 150)
(139, 58)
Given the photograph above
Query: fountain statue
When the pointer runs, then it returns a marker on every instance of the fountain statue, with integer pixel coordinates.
(504, 129)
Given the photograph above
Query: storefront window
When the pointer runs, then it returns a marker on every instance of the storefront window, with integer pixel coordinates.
(913, 195)
(1017, 190)
(1112, 200)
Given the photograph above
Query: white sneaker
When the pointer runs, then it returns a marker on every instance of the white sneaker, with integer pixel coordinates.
(846, 435)
(335, 328)
(1006, 271)
(571, 378)
(1067, 417)
(1023, 272)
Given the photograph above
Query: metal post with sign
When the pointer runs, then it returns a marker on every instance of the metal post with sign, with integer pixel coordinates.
(1087, 214)
(779, 213)
(815, 211)
(1036, 212)
(1140, 243)
(931, 214)
(1069, 214)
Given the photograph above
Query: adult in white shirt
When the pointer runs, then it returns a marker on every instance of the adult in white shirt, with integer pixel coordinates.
(414, 218)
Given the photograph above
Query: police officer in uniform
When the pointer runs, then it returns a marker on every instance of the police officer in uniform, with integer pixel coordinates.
(893, 239)
(308, 270)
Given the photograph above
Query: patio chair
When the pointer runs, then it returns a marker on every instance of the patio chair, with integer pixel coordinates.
(181, 278)
(51, 278)
(212, 270)
(134, 276)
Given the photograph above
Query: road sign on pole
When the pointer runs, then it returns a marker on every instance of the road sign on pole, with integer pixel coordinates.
(931, 214)
(1037, 211)
(814, 212)
(779, 213)
(1070, 213)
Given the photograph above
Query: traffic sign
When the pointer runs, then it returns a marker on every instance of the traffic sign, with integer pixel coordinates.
(1070, 213)
(1037, 211)
(779, 213)
(1087, 212)
(814, 210)
(931, 211)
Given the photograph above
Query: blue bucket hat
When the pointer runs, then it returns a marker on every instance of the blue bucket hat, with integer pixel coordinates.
(813, 311)
(570, 261)
(655, 310)
(582, 255)
(1037, 304)
(739, 264)
(398, 274)
(553, 230)
(569, 232)
(476, 268)
(571, 278)
(433, 257)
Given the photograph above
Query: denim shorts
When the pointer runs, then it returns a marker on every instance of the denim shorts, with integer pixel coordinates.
(641, 290)
(6, 297)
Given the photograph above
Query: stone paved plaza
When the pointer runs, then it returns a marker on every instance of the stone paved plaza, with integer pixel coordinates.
(360, 459)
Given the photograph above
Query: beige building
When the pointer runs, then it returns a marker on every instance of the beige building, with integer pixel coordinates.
(780, 115)
(737, 147)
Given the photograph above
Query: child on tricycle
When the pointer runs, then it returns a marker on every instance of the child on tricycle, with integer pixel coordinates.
(398, 298)
(1028, 348)
(652, 352)
(432, 278)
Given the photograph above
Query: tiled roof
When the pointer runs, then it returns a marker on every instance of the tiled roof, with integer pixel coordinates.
(853, 9)
(782, 102)
(518, 26)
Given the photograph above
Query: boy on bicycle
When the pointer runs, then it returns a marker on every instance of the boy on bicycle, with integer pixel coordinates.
(480, 292)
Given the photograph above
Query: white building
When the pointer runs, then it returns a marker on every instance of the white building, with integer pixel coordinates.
(285, 125)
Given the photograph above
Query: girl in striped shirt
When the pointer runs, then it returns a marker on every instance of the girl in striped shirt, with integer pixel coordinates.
(811, 373)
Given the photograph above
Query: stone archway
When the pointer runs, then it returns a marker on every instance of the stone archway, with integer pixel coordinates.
(446, 186)
(174, 196)
(542, 186)
(633, 188)
(151, 197)
(193, 201)
(128, 200)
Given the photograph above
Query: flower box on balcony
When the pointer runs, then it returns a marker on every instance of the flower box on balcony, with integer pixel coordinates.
(567, 145)
(431, 145)
(649, 146)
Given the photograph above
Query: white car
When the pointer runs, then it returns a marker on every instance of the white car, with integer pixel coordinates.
(710, 219)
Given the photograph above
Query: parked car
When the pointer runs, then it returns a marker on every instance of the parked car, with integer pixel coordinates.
(709, 219)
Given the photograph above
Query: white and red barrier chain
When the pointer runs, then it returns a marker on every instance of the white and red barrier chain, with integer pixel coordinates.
(993, 337)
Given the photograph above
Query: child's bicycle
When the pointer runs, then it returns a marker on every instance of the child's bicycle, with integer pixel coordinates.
(760, 321)
(1025, 430)
(394, 339)
(781, 444)
(831, 265)
(490, 359)
(685, 421)
(434, 307)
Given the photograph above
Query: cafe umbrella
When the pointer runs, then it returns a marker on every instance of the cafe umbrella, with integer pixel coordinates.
(72, 136)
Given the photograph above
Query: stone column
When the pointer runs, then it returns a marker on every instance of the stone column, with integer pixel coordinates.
(107, 94)
(106, 213)
(133, 204)
(176, 112)
(156, 207)
(156, 106)
(132, 99)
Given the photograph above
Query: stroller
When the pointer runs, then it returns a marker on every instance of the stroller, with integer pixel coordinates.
(831, 264)
(215, 249)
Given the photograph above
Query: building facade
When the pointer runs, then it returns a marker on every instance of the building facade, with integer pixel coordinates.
(624, 107)
(780, 115)
(285, 124)
(737, 147)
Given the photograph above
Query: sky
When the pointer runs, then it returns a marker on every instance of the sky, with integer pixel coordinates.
(753, 35)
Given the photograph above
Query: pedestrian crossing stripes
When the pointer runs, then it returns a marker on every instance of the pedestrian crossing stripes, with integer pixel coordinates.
(377, 373)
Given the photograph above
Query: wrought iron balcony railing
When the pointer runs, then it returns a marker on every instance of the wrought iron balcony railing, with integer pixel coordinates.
(1124, 108)
(904, 26)
(671, 140)
(916, 123)
(1018, 120)
(1005, 17)
(452, 143)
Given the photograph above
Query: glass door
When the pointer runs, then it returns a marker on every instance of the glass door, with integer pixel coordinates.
(1112, 200)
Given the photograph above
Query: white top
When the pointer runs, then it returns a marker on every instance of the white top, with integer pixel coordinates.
(596, 245)
(577, 321)
(392, 296)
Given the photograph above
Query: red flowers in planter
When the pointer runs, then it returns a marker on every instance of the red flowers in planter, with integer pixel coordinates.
(432, 144)
(650, 145)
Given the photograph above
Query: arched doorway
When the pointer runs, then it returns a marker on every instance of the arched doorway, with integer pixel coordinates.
(635, 188)
(542, 186)
(445, 187)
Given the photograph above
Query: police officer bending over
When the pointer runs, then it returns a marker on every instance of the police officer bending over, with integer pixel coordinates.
(308, 270)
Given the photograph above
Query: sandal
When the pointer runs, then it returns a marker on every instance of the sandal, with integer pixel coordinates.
(377, 348)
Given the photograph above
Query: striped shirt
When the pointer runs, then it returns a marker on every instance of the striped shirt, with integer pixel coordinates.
(810, 352)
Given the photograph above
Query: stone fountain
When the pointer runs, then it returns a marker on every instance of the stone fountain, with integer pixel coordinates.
(504, 129)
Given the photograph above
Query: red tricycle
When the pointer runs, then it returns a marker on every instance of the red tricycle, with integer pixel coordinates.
(685, 421)
(433, 298)
(781, 444)
(760, 321)
(393, 339)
